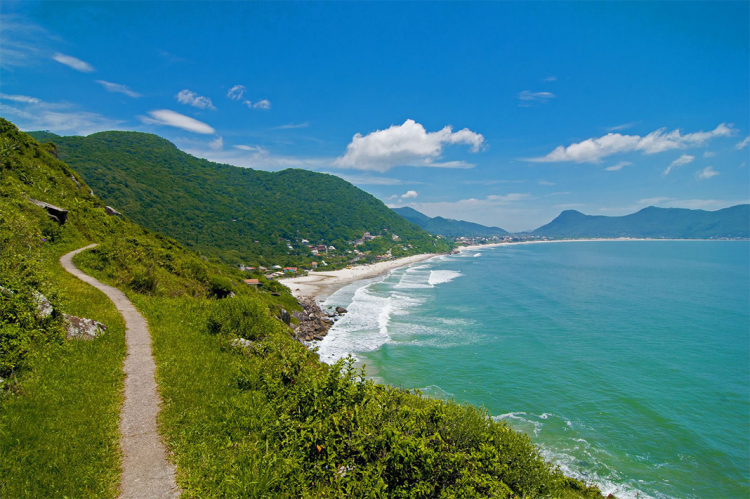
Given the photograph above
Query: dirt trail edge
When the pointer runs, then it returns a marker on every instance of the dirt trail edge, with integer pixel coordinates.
(146, 473)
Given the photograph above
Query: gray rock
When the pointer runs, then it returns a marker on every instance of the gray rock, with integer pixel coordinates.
(43, 306)
(60, 215)
(242, 343)
(112, 212)
(81, 328)
(285, 317)
(340, 310)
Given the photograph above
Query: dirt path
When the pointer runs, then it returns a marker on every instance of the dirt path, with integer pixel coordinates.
(146, 473)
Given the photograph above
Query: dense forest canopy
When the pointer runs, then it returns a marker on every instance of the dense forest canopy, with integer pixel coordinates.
(241, 215)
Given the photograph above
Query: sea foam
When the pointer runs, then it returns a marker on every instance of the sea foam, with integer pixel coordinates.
(442, 276)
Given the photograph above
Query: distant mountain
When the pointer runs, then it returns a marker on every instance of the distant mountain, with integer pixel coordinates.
(652, 222)
(236, 214)
(448, 227)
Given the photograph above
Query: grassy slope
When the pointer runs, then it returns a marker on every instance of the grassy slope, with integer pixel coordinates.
(221, 210)
(60, 402)
(272, 420)
(59, 433)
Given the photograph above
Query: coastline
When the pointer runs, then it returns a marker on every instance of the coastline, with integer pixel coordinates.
(320, 285)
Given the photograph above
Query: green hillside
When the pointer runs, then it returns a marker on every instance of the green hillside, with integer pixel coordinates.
(652, 222)
(268, 420)
(238, 214)
(448, 227)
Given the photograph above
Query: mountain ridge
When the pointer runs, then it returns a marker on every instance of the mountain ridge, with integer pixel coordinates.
(448, 227)
(653, 222)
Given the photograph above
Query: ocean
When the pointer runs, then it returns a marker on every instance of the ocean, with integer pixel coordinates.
(628, 362)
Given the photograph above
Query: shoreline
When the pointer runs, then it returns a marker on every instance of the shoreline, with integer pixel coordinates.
(319, 285)
(610, 239)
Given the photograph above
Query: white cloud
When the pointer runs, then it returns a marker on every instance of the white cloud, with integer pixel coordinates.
(58, 118)
(22, 44)
(20, 98)
(549, 78)
(409, 195)
(743, 143)
(236, 92)
(652, 201)
(217, 145)
(529, 98)
(544, 182)
(405, 145)
(195, 100)
(374, 180)
(594, 149)
(73, 62)
(709, 154)
(682, 160)
(291, 126)
(117, 88)
(619, 166)
(253, 156)
(261, 104)
(621, 127)
(563, 193)
(706, 173)
(243, 147)
(177, 120)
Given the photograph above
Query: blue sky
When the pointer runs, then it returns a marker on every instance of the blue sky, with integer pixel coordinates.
(498, 113)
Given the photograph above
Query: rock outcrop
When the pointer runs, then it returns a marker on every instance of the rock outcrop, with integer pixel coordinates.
(313, 322)
(112, 212)
(60, 215)
(83, 329)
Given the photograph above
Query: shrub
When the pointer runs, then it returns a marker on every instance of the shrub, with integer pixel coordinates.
(220, 286)
(242, 316)
(143, 280)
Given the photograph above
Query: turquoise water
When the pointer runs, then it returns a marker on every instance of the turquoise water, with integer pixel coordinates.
(628, 362)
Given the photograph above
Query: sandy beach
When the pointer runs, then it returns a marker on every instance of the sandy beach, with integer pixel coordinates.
(320, 285)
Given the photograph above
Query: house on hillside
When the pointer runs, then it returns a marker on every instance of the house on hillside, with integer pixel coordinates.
(290, 270)
(252, 282)
(314, 265)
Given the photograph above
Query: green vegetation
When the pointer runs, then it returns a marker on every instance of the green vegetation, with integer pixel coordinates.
(240, 215)
(60, 400)
(448, 227)
(271, 421)
(255, 420)
(652, 222)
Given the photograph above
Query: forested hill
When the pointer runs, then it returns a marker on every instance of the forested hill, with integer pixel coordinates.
(448, 227)
(652, 222)
(238, 214)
